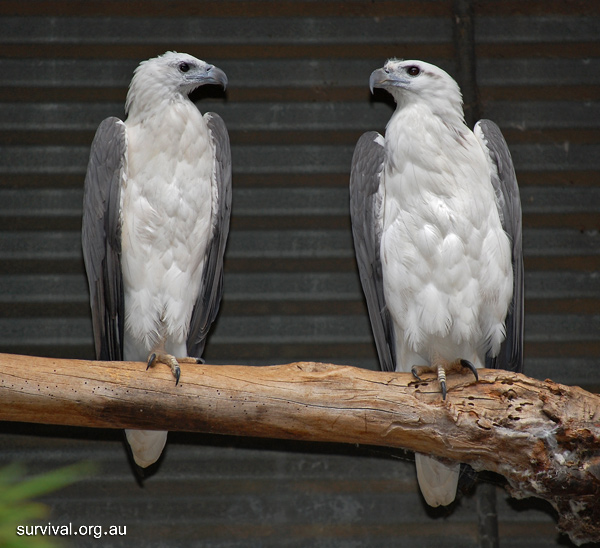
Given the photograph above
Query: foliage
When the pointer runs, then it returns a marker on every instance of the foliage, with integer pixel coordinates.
(17, 508)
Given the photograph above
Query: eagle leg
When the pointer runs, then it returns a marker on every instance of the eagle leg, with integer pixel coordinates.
(171, 361)
(443, 367)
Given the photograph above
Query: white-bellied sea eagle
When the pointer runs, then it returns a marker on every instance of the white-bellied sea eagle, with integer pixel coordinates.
(436, 220)
(156, 207)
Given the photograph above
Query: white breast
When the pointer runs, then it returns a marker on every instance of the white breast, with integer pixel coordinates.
(446, 260)
(166, 222)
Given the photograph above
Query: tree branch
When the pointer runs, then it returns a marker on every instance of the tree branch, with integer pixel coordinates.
(542, 436)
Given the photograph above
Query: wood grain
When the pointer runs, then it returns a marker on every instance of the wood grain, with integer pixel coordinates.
(542, 436)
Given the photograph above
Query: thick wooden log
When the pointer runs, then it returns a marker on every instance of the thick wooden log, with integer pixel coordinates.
(542, 436)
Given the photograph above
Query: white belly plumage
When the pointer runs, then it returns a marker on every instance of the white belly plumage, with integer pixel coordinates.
(166, 224)
(446, 259)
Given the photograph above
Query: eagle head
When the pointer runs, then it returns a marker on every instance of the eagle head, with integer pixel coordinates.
(168, 76)
(418, 81)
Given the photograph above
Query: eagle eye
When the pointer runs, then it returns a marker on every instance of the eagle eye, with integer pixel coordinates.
(413, 70)
(184, 67)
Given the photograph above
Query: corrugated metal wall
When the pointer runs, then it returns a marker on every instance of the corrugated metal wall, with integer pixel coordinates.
(298, 101)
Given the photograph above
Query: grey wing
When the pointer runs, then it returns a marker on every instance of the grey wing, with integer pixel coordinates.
(509, 208)
(365, 204)
(101, 237)
(209, 297)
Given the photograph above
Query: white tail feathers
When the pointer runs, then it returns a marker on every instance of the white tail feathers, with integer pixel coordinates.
(146, 445)
(438, 481)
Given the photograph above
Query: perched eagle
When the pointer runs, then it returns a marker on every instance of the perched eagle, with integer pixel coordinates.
(156, 207)
(436, 220)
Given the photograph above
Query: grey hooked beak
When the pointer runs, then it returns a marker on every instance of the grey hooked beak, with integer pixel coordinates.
(382, 78)
(216, 76)
(377, 78)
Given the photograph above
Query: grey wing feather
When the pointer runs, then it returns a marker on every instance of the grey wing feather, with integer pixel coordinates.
(509, 208)
(101, 237)
(365, 203)
(209, 298)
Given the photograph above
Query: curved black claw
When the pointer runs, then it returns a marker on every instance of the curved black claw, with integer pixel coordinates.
(413, 370)
(468, 365)
(177, 373)
(444, 389)
(151, 360)
(200, 360)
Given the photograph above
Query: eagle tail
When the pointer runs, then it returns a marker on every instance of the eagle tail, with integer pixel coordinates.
(146, 445)
(438, 481)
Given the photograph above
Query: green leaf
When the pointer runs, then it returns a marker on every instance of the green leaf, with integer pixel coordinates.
(17, 510)
(44, 483)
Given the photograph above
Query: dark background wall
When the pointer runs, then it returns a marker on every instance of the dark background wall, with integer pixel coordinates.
(298, 100)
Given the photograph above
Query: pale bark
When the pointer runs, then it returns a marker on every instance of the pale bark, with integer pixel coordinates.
(543, 437)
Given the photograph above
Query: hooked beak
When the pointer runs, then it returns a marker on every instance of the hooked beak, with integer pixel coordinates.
(377, 78)
(216, 76)
(381, 78)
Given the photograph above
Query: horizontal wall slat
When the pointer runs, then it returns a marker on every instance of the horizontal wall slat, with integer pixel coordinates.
(298, 159)
(292, 244)
(299, 73)
(233, 8)
(45, 289)
(297, 116)
(218, 30)
(289, 201)
(283, 329)
(305, 30)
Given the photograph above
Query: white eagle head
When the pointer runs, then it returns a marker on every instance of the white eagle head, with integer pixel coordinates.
(417, 81)
(171, 76)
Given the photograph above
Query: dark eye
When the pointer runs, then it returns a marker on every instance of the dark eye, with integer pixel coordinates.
(413, 71)
(184, 67)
